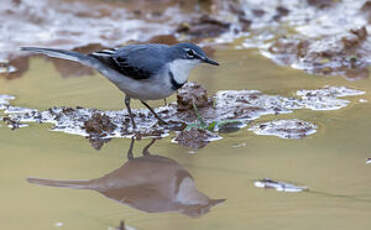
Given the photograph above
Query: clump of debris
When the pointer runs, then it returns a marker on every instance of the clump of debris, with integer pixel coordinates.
(279, 186)
(287, 129)
(322, 37)
(346, 55)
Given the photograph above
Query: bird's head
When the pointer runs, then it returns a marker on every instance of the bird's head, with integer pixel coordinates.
(192, 53)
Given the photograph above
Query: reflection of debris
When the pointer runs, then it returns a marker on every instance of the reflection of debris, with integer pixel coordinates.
(97, 142)
(229, 111)
(288, 129)
(280, 186)
(195, 138)
(362, 100)
(241, 145)
(5, 67)
(228, 126)
(121, 226)
(20, 66)
(368, 161)
(59, 224)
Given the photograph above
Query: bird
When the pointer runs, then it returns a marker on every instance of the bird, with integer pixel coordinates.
(141, 71)
(150, 183)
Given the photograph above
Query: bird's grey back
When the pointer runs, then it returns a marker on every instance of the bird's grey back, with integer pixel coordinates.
(148, 57)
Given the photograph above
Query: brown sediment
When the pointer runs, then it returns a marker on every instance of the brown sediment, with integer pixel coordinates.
(203, 26)
(321, 3)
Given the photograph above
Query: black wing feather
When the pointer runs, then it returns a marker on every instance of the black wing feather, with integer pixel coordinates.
(130, 70)
(135, 61)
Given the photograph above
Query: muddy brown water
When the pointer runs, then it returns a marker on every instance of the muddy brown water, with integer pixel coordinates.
(332, 162)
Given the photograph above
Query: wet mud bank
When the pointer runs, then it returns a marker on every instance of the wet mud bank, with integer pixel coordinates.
(196, 118)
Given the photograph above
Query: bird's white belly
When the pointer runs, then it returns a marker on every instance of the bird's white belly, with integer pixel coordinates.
(152, 89)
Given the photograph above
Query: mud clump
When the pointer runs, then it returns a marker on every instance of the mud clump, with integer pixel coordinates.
(194, 138)
(99, 125)
(192, 94)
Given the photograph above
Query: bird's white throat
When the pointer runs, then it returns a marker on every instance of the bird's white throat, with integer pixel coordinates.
(188, 194)
(181, 69)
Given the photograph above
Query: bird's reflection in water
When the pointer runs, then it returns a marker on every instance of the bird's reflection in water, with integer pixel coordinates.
(150, 183)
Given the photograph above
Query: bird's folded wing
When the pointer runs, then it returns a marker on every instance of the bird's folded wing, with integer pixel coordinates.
(137, 62)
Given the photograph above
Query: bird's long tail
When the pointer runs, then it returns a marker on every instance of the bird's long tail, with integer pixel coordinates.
(65, 54)
(74, 184)
(87, 60)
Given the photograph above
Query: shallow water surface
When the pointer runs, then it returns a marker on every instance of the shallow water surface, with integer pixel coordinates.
(331, 162)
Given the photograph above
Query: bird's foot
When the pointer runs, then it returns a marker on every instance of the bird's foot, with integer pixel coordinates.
(162, 122)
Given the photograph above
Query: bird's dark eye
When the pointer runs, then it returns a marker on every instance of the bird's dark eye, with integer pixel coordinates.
(190, 53)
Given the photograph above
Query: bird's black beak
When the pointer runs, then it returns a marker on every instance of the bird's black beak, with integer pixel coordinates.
(209, 61)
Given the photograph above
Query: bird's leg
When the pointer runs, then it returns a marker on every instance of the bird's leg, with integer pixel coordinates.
(130, 151)
(146, 149)
(154, 113)
(127, 103)
(165, 102)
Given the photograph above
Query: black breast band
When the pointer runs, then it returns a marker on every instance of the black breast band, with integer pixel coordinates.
(174, 84)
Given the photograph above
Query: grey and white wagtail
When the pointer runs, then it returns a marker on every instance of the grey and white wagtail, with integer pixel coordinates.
(144, 72)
